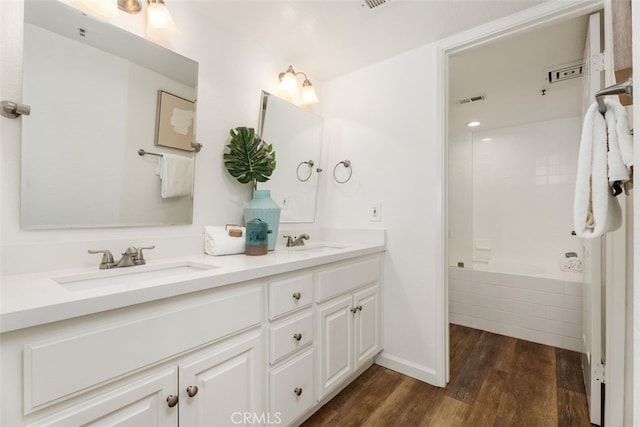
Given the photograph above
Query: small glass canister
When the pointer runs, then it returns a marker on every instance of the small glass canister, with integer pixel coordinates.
(257, 242)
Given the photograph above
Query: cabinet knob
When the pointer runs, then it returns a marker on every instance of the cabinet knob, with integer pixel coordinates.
(354, 310)
(297, 336)
(192, 390)
(359, 308)
(172, 400)
(296, 296)
(298, 391)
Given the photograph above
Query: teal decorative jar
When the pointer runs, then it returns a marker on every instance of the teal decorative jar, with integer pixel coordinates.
(265, 209)
(257, 240)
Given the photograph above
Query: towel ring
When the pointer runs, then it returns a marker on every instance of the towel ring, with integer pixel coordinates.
(309, 164)
(346, 164)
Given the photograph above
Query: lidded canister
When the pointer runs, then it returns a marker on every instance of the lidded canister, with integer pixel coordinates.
(257, 242)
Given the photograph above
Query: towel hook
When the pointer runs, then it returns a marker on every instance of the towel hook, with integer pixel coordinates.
(347, 165)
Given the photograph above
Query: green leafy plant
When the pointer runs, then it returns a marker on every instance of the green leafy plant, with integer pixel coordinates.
(248, 158)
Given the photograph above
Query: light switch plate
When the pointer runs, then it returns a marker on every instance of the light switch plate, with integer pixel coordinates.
(375, 213)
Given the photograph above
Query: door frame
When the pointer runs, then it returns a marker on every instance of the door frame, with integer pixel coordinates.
(545, 14)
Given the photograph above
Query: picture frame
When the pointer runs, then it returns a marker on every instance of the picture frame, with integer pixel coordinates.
(175, 122)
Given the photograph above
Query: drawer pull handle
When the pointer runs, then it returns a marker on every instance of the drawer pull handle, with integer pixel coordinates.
(192, 390)
(296, 296)
(298, 391)
(172, 400)
(297, 337)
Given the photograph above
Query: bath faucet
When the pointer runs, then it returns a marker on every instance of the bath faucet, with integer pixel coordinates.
(132, 256)
(298, 241)
(128, 257)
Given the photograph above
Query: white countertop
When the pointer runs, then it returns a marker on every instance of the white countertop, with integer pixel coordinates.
(34, 299)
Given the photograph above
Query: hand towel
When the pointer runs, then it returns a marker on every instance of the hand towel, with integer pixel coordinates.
(619, 122)
(595, 210)
(218, 242)
(176, 173)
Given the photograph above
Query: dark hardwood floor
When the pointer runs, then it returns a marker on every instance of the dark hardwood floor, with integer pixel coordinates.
(495, 381)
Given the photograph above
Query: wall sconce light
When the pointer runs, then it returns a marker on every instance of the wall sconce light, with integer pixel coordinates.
(160, 25)
(289, 87)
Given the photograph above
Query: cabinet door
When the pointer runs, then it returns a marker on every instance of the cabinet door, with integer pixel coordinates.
(335, 343)
(140, 403)
(291, 388)
(221, 385)
(367, 324)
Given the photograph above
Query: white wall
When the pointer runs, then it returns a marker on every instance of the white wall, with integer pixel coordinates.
(461, 199)
(382, 119)
(232, 74)
(523, 185)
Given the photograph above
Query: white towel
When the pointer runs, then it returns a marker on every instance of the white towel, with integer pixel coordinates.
(218, 242)
(618, 126)
(176, 173)
(595, 210)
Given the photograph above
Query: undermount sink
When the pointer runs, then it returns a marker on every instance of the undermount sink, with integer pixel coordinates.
(129, 277)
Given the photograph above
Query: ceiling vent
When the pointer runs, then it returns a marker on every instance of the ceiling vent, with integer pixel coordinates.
(565, 72)
(372, 4)
(471, 99)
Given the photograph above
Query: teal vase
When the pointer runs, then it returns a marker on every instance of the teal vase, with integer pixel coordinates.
(262, 207)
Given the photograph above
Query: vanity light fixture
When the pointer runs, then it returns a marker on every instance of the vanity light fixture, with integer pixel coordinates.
(289, 86)
(473, 124)
(102, 8)
(160, 25)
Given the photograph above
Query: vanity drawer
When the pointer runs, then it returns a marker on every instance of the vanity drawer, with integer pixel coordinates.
(345, 278)
(62, 366)
(289, 336)
(290, 294)
(291, 388)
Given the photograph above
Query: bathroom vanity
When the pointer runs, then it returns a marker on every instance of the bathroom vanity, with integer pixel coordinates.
(199, 341)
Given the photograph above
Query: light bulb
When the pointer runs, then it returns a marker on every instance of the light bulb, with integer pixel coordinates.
(102, 8)
(288, 84)
(308, 94)
(160, 25)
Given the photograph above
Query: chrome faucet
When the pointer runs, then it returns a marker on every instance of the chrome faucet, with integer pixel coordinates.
(132, 256)
(298, 241)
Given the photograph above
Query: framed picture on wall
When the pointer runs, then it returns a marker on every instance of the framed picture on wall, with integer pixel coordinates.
(175, 121)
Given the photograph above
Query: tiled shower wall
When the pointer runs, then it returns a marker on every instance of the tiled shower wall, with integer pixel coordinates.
(523, 186)
(546, 311)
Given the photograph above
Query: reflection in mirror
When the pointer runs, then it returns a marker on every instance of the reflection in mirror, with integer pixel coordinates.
(93, 91)
(296, 135)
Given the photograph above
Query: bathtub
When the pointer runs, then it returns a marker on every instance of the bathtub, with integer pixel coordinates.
(532, 301)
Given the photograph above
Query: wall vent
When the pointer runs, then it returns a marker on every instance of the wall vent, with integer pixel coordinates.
(372, 4)
(565, 72)
(471, 99)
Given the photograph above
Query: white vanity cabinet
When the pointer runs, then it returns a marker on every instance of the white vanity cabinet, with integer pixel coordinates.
(349, 320)
(178, 361)
(269, 350)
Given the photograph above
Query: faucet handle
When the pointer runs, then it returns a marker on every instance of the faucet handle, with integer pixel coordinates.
(289, 241)
(140, 257)
(107, 258)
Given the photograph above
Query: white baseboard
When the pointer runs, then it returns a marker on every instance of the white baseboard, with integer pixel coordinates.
(414, 370)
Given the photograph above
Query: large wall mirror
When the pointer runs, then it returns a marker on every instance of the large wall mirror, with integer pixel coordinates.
(93, 90)
(296, 135)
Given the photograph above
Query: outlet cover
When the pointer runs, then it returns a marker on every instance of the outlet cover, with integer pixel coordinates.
(375, 213)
